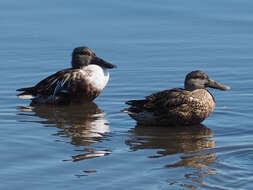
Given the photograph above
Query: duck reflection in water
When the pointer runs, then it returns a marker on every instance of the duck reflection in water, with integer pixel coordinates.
(84, 124)
(190, 144)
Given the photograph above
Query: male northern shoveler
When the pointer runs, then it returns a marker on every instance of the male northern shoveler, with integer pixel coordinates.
(177, 106)
(83, 82)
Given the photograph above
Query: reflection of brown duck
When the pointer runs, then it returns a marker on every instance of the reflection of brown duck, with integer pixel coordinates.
(84, 124)
(191, 145)
(195, 161)
(182, 139)
(200, 162)
(189, 106)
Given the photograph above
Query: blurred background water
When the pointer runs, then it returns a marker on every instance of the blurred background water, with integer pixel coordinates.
(154, 44)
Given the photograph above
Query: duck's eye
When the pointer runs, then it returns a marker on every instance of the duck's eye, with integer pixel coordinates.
(202, 77)
(87, 53)
(198, 77)
(84, 53)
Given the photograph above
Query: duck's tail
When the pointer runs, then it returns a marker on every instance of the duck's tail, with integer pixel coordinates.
(135, 106)
(27, 93)
(138, 112)
(136, 102)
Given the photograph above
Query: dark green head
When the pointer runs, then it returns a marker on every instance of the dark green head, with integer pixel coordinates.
(84, 56)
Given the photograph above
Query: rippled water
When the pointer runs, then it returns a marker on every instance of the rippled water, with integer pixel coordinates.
(154, 44)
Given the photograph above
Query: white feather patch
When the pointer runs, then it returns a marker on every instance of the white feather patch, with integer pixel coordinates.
(96, 76)
(25, 97)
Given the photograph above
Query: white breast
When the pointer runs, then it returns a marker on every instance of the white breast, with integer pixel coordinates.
(96, 76)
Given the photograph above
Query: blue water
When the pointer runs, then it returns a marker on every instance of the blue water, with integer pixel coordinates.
(154, 44)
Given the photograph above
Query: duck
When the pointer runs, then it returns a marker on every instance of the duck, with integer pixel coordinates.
(178, 106)
(83, 82)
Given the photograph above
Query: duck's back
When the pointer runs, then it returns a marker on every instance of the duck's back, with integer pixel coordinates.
(173, 107)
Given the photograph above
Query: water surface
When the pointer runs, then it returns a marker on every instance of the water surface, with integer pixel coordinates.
(154, 44)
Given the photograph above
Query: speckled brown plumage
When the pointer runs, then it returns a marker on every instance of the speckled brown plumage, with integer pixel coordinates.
(177, 106)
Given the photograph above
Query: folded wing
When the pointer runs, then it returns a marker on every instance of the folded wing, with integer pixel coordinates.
(161, 101)
(62, 83)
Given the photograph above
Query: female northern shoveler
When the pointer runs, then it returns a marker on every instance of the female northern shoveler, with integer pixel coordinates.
(177, 106)
(83, 82)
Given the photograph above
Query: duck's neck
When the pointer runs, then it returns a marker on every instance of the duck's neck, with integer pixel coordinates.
(191, 86)
(78, 62)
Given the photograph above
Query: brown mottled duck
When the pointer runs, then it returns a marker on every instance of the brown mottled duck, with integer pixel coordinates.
(177, 106)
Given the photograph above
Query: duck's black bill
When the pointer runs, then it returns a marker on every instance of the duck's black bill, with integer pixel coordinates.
(102, 63)
(213, 84)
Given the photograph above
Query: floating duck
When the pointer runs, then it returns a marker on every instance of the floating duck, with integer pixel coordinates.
(81, 83)
(177, 106)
